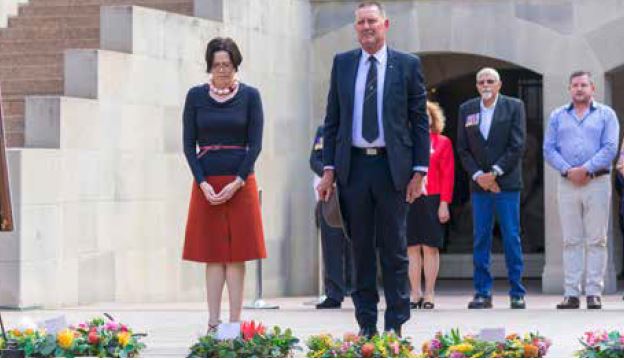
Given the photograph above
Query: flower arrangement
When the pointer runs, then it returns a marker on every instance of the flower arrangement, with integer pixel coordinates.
(95, 338)
(453, 345)
(354, 346)
(254, 341)
(601, 344)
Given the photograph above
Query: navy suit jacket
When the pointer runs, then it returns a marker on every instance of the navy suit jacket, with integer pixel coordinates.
(504, 146)
(405, 123)
(316, 155)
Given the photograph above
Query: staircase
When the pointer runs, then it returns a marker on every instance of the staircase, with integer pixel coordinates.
(32, 46)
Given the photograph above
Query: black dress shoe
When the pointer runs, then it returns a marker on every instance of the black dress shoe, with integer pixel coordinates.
(395, 329)
(368, 331)
(480, 302)
(416, 305)
(329, 303)
(569, 302)
(594, 302)
(517, 302)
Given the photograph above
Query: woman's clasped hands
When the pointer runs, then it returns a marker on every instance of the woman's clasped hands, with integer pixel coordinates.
(224, 195)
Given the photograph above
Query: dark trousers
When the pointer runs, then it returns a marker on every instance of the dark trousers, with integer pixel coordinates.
(336, 261)
(369, 199)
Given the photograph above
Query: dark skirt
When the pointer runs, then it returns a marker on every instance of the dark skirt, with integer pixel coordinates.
(423, 224)
(230, 232)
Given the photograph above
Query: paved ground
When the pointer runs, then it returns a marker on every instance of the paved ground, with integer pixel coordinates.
(173, 327)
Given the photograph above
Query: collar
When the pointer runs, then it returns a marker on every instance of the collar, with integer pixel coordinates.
(381, 55)
(483, 108)
(592, 106)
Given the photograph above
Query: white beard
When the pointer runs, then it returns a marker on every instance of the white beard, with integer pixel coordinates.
(487, 95)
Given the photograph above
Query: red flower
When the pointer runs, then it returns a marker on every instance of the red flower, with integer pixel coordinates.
(368, 350)
(93, 338)
(249, 329)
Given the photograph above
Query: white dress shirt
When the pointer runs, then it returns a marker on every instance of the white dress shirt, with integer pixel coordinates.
(358, 100)
(485, 123)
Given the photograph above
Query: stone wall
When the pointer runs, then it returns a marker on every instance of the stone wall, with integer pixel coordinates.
(101, 189)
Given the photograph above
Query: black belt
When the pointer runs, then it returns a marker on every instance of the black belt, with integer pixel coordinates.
(600, 172)
(370, 151)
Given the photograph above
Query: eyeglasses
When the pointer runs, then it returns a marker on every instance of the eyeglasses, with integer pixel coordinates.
(488, 81)
(222, 66)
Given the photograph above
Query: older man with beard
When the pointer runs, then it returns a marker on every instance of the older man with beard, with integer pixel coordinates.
(491, 136)
(581, 143)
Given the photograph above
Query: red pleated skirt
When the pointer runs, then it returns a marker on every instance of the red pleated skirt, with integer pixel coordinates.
(230, 232)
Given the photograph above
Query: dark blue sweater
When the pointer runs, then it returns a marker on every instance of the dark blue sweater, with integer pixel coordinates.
(237, 121)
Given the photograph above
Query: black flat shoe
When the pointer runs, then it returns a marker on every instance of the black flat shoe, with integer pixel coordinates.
(428, 305)
(417, 305)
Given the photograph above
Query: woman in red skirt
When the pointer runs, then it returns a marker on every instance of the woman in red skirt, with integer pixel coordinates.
(223, 123)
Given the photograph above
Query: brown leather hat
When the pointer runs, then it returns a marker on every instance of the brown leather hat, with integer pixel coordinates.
(332, 214)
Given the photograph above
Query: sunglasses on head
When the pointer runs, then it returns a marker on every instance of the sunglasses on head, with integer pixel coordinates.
(488, 81)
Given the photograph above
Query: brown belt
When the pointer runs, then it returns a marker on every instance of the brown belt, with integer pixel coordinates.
(600, 172)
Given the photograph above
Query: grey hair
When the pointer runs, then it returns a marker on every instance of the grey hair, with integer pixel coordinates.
(377, 4)
(488, 71)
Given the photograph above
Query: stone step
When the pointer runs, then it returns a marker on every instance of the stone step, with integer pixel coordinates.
(30, 33)
(32, 87)
(54, 21)
(31, 59)
(14, 139)
(46, 46)
(17, 71)
(13, 124)
(13, 106)
(47, 10)
(59, 10)
(107, 2)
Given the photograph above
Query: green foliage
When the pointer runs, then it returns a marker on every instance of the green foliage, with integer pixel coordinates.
(453, 345)
(354, 346)
(274, 343)
(95, 338)
(601, 344)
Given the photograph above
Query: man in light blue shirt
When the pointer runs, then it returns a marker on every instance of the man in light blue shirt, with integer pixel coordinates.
(580, 143)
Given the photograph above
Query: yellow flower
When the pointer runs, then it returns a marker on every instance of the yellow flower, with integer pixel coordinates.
(463, 348)
(65, 338)
(123, 338)
(29, 332)
(15, 332)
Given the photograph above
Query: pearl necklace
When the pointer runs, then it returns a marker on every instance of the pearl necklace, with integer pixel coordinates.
(223, 91)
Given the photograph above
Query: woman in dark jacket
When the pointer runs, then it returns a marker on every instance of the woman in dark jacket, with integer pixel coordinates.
(223, 123)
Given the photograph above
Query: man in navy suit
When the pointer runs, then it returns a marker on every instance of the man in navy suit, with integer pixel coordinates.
(376, 145)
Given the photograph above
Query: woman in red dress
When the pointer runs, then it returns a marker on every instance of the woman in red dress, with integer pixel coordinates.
(425, 229)
(223, 123)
